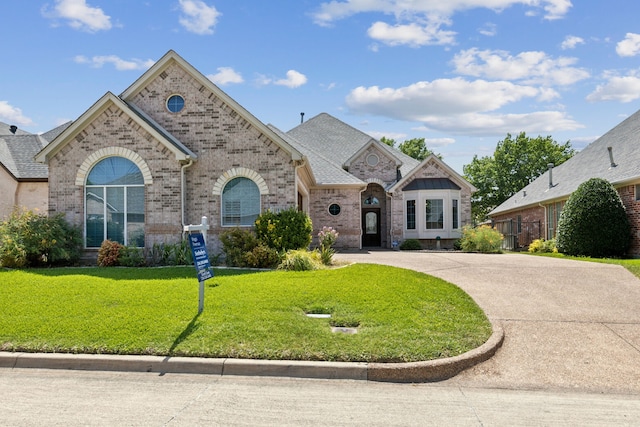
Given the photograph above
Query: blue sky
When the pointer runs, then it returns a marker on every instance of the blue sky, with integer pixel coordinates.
(459, 73)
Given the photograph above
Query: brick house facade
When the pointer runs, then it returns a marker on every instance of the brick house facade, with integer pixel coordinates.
(613, 157)
(173, 147)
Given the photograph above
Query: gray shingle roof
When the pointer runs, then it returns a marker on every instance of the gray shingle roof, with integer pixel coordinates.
(592, 162)
(324, 170)
(17, 156)
(336, 142)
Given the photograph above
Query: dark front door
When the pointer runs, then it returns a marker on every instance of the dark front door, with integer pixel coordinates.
(371, 227)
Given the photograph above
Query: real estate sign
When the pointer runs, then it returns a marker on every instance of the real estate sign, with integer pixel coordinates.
(200, 256)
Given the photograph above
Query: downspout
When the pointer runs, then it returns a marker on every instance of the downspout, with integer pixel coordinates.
(390, 219)
(544, 220)
(183, 193)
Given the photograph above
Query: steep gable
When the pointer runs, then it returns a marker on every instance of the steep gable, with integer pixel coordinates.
(109, 100)
(148, 95)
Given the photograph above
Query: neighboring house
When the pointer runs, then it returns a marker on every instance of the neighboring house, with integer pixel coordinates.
(173, 147)
(23, 182)
(534, 211)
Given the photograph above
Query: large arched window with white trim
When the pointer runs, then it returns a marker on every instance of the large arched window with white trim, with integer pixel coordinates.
(114, 203)
(240, 202)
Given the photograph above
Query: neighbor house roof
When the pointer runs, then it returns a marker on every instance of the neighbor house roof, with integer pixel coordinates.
(17, 152)
(615, 157)
(340, 143)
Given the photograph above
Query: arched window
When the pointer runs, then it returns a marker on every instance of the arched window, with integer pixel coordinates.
(240, 202)
(114, 203)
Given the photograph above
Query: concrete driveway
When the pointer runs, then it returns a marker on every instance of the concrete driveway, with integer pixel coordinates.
(568, 324)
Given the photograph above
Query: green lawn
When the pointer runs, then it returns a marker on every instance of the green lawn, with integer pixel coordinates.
(401, 315)
(633, 265)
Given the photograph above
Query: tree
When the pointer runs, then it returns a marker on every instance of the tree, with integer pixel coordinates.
(514, 164)
(593, 222)
(416, 147)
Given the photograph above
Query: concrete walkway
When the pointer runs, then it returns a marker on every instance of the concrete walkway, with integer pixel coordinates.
(567, 324)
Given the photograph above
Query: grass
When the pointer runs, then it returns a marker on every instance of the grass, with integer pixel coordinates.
(401, 315)
(633, 265)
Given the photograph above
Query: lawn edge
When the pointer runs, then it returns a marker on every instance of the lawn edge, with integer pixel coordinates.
(426, 371)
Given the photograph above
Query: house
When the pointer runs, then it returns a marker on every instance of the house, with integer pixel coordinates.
(534, 211)
(23, 182)
(173, 147)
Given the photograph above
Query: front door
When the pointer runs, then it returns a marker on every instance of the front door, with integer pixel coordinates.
(371, 227)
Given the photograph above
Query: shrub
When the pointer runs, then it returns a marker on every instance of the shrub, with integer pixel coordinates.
(327, 238)
(170, 254)
(109, 253)
(29, 239)
(235, 243)
(410, 245)
(300, 260)
(131, 256)
(285, 230)
(543, 246)
(593, 222)
(262, 256)
(482, 239)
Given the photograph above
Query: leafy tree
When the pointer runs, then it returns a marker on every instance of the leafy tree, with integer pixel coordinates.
(416, 147)
(514, 164)
(593, 222)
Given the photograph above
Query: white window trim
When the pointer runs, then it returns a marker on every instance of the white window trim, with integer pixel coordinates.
(420, 197)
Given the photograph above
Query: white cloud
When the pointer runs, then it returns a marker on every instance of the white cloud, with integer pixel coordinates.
(198, 17)
(489, 29)
(396, 136)
(80, 15)
(118, 63)
(225, 76)
(570, 42)
(13, 115)
(630, 46)
(419, 22)
(439, 97)
(294, 79)
(413, 34)
(439, 142)
(617, 88)
(459, 106)
(479, 124)
(529, 67)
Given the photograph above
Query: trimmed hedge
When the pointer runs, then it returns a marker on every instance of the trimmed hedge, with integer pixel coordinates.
(593, 222)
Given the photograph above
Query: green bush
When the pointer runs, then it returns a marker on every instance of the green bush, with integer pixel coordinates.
(593, 222)
(285, 230)
(109, 253)
(543, 246)
(170, 254)
(410, 245)
(262, 256)
(301, 260)
(29, 239)
(235, 243)
(131, 256)
(483, 239)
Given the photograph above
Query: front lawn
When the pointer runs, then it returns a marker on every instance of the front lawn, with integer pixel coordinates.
(631, 264)
(400, 315)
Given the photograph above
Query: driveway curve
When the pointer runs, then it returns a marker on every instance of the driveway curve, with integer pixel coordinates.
(568, 324)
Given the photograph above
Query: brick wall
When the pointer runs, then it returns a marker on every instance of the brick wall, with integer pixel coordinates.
(347, 223)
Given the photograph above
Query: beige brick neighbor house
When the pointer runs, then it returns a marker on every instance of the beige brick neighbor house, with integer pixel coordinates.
(534, 211)
(173, 147)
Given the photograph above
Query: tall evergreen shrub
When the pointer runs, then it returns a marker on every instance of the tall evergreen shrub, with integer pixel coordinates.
(593, 222)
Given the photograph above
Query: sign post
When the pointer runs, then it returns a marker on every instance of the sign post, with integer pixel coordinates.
(197, 242)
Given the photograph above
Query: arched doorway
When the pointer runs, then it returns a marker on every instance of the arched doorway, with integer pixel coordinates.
(374, 216)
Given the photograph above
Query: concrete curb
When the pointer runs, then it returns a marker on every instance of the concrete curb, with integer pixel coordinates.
(433, 370)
